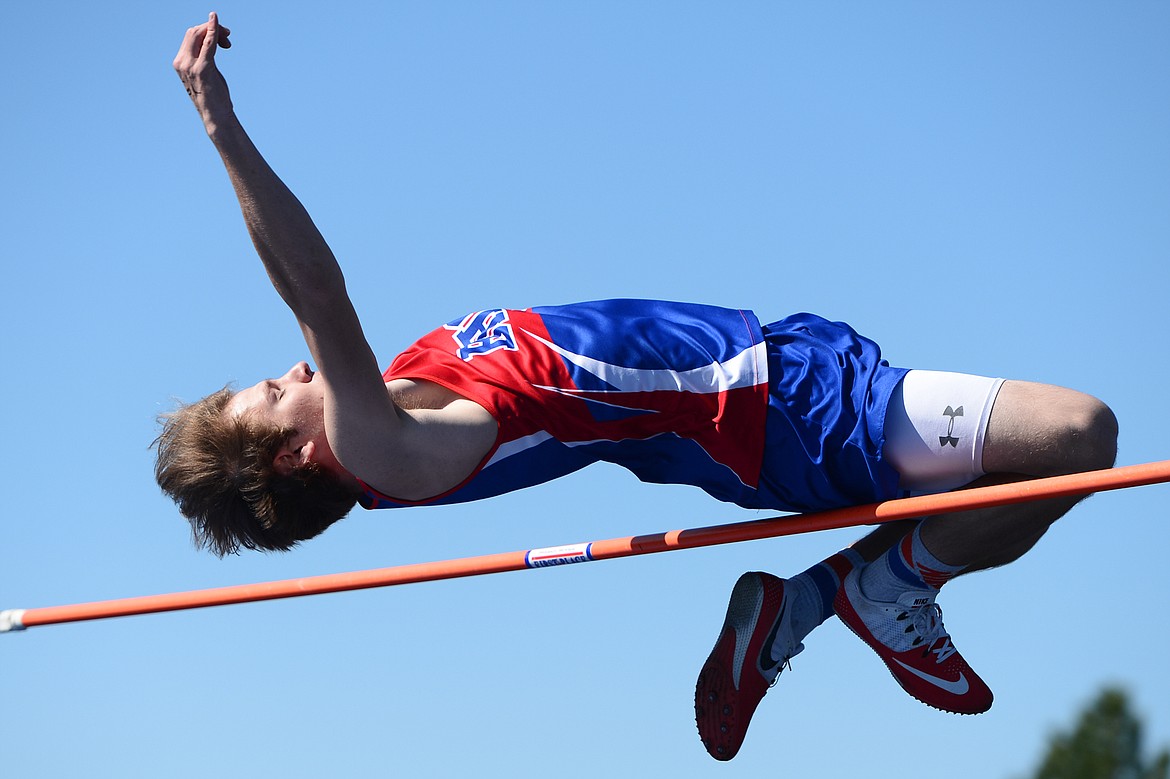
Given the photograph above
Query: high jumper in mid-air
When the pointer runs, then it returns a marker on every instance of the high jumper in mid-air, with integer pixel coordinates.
(799, 414)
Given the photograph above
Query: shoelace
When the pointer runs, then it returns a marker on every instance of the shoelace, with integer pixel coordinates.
(785, 665)
(926, 621)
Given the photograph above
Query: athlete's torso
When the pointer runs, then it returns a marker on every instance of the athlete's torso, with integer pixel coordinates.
(674, 392)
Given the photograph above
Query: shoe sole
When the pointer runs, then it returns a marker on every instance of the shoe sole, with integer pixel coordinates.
(723, 712)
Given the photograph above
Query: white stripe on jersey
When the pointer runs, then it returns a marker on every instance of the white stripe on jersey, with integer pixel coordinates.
(746, 369)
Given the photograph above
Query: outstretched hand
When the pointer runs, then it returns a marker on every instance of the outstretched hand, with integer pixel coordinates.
(195, 64)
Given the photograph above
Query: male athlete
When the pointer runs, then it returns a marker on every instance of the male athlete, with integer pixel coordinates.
(799, 415)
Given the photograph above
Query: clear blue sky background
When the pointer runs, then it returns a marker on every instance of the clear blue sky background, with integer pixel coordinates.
(981, 187)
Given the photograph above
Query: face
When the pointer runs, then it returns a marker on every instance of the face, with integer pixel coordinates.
(294, 400)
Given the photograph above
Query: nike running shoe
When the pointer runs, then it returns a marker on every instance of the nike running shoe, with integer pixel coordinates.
(909, 637)
(743, 665)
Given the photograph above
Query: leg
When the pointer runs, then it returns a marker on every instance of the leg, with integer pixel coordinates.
(1034, 430)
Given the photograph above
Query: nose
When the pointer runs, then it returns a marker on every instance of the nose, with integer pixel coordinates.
(300, 373)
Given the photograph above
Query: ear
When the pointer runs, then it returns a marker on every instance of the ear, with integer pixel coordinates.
(289, 459)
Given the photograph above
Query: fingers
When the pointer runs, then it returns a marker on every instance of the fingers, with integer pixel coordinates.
(202, 40)
(210, 37)
(218, 32)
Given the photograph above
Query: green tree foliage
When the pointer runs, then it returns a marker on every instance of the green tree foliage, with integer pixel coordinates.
(1105, 743)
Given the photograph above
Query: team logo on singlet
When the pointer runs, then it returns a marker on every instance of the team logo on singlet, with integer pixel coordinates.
(482, 333)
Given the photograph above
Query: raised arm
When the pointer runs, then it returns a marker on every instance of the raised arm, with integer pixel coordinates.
(299, 262)
(362, 422)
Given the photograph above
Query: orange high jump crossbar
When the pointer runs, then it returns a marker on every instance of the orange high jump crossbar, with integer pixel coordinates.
(874, 513)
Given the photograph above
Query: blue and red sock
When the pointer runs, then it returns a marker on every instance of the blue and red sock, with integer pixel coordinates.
(908, 565)
(815, 589)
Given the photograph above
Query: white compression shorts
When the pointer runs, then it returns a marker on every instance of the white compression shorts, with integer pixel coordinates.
(935, 427)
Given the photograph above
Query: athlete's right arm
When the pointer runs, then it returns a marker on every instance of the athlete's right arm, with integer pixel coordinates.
(299, 262)
(366, 430)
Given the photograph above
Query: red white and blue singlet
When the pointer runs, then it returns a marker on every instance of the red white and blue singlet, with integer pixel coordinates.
(786, 416)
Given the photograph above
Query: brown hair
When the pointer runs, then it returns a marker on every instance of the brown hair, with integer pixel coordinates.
(218, 468)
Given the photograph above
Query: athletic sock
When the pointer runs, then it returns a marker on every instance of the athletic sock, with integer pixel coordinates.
(813, 591)
(908, 565)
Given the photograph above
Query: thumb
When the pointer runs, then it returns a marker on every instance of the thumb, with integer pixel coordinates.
(210, 37)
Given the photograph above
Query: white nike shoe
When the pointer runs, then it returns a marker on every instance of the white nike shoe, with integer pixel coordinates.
(908, 635)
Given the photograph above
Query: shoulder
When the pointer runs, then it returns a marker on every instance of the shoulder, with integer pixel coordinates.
(442, 440)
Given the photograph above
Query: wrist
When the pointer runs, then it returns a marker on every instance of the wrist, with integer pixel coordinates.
(221, 125)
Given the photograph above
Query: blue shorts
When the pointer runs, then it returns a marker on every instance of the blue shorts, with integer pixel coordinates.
(829, 389)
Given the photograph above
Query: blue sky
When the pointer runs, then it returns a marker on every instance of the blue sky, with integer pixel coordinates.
(979, 187)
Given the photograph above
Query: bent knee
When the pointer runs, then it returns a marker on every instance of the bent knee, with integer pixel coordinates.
(1043, 430)
(1090, 435)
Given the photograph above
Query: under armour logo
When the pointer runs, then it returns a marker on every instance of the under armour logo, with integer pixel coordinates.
(943, 440)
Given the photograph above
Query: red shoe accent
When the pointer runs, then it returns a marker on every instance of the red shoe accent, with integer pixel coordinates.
(740, 668)
(928, 667)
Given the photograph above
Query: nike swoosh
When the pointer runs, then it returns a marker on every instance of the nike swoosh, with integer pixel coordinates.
(957, 687)
(766, 661)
